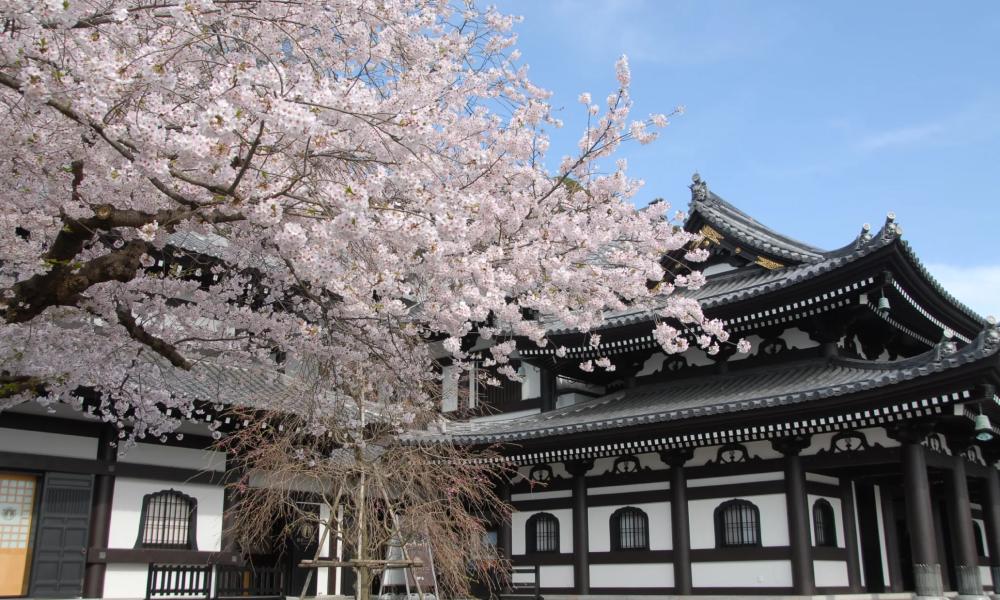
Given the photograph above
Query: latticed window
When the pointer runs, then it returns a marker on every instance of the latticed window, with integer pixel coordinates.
(168, 521)
(824, 524)
(542, 534)
(629, 529)
(737, 524)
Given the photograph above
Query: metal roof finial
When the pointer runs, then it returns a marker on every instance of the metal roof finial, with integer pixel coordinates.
(699, 189)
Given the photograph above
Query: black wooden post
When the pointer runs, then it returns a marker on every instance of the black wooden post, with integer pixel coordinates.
(100, 512)
(797, 502)
(505, 535)
(991, 518)
(850, 536)
(547, 381)
(679, 528)
(581, 533)
(889, 530)
(229, 501)
(960, 522)
(919, 513)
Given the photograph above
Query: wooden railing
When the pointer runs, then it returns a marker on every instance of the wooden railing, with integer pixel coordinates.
(174, 581)
(252, 582)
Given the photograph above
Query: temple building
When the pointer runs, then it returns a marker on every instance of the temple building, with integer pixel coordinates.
(851, 451)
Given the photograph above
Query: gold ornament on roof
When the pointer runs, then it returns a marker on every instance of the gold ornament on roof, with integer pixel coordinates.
(710, 234)
(768, 264)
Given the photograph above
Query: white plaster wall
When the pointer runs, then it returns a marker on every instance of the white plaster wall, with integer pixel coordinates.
(749, 573)
(599, 525)
(506, 416)
(751, 478)
(984, 574)
(564, 515)
(830, 573)
(558, 470)
(125, 581)
(706, 454)
(531, 387)
(838, 518)
(773, 520)
(560, 576)
(571, 399)
(126, 511)
(881, 535)
(633, 576)
(171, 456)
(822, 478)
(649, 460)
(48, 444)
(624, 489)
(542, 495)
(796, 339)
(877, 435)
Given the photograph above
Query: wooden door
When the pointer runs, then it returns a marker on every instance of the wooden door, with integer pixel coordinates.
(61, 542)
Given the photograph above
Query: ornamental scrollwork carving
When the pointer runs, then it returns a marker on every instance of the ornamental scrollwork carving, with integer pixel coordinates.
(541, 473)
(626, 464)
(733, 453)
(849, 441)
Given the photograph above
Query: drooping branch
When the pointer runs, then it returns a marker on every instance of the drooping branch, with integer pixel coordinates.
(156, 344)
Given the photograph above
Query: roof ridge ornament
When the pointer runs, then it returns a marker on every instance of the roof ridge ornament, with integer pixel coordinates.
(699, 189)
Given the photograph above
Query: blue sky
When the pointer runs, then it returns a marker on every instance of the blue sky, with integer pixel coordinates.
(813, 117)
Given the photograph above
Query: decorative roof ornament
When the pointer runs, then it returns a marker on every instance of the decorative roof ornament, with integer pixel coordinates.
(991, 337)
(864, 237)
(699, 189)
(891, 230)
(947, 344)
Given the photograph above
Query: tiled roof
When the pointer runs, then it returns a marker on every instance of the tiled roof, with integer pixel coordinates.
(753, 389)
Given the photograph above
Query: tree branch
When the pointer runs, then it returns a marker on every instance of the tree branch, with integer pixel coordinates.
(156, 344)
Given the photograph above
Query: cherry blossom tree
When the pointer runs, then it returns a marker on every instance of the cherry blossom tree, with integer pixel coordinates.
(330, 184)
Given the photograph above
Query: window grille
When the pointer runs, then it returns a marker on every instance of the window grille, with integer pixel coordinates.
(168, 521)
(629, 529)
(737, 524)
(542, 534)
(825, 524)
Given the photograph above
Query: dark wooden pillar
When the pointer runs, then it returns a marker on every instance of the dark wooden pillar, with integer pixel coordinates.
(505, 536)
(850, 536)
(547, 381)
(581, 533)
(891, 537)
(963, 539)
(797, 503)
(100, 511)
(991, 519)
(230, 499)
(919, 513)
(679, 528)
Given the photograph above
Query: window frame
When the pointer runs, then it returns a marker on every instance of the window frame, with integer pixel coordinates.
(192, 521)
(720, 524)
(616, 532)
(829, 528)
(531, 533)
(977, 532)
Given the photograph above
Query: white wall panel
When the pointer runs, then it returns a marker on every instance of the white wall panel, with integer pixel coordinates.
(984, 574)
(48, 444)
(751, 478)
(170, 456)
(830, 573)
(773, 520)
(542, 495)
(126, 510)
(837, 514)
(632, 576)
(125, 581)
(564, 515)
(822, 478)
(599, 523)
(624, 489)
(560, 576)
(749, 573)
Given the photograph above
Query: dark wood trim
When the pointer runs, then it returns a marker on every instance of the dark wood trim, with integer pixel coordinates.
(543, 504)
(64, 464)
(163, 557)
(734, 592)
(544, 559)
(650, 591)
(829, 591)
(556, 591)
(832, 460)
(749, 553)
(631, 557)
(736, 490)
(829, 553)
(817, 488)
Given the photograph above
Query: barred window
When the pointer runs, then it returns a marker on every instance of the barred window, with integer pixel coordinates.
(629, 529)
(825, 524)
(169, 521)
(737, 524)
(542, 534)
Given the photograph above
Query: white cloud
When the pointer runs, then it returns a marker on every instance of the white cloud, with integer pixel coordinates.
(976, 287)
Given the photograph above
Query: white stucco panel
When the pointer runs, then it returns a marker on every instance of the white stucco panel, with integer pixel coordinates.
(556, 576)
(125, 581)
(170, 456)
(48, 444)
(625, 489)
(650, 575)
(126, 510)
(773, 520)
(748, 573)
(519, 521)
(830, 573)
(599, 525)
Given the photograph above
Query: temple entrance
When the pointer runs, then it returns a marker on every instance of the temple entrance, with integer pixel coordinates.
(60, 554)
